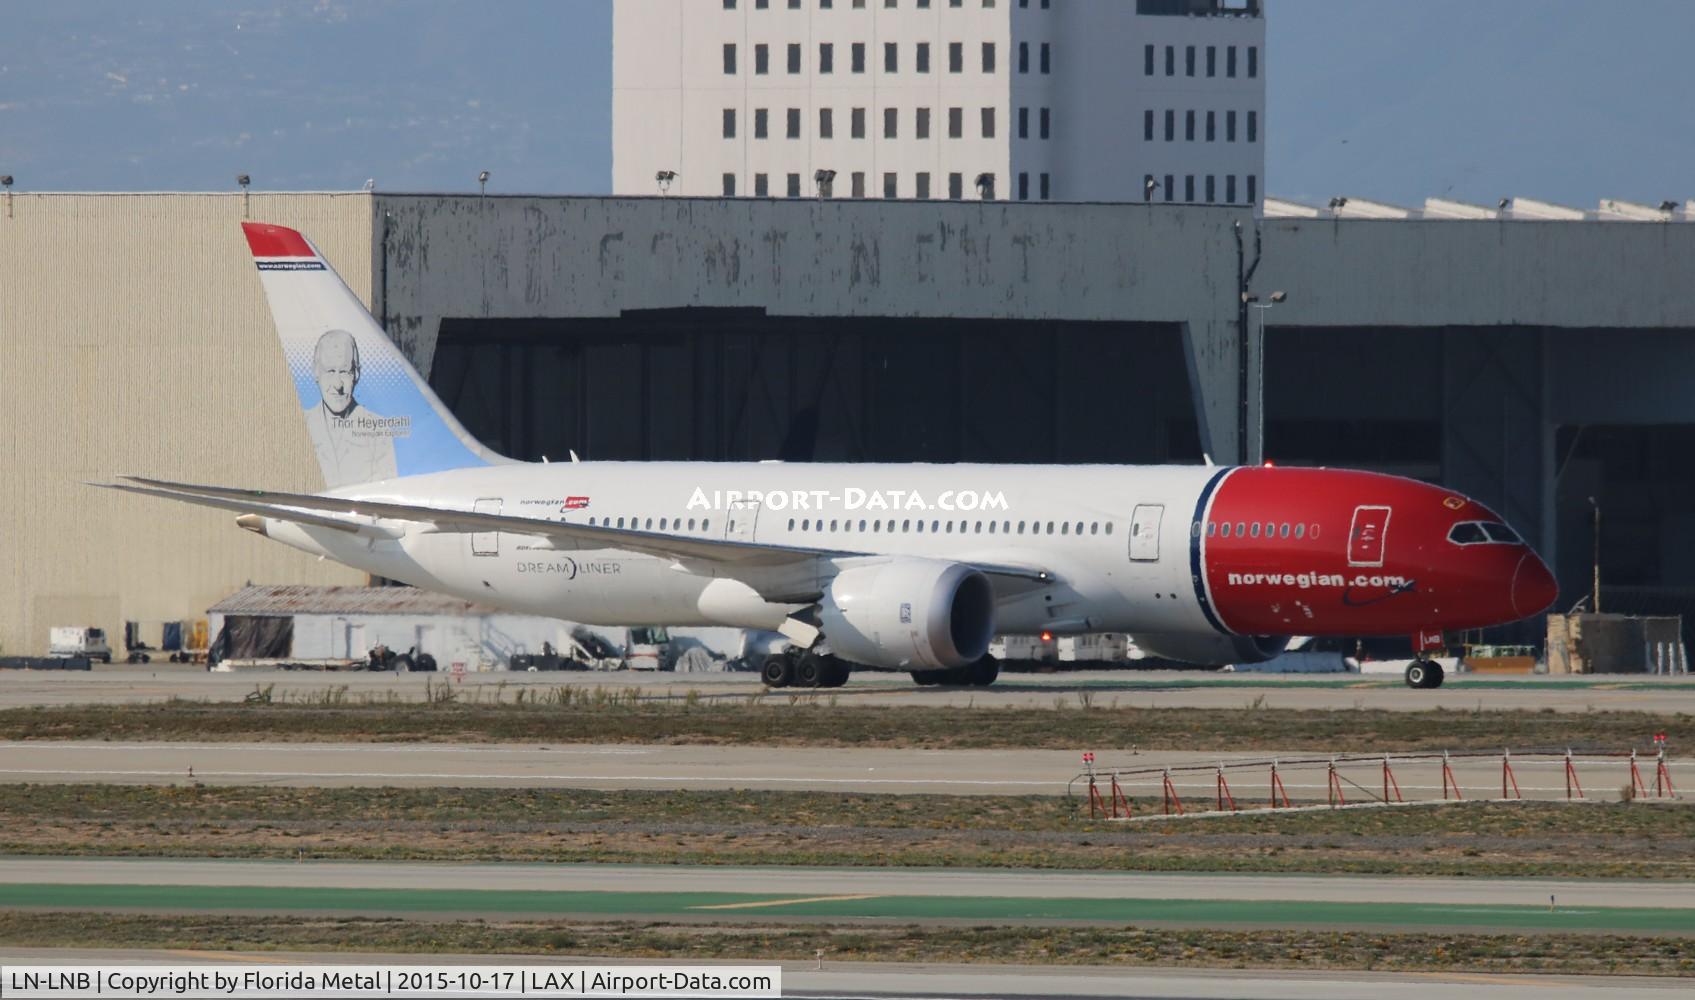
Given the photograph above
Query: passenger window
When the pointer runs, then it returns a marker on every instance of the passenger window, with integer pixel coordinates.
(620, 522)
(1095, 528)
(1109, 527)
(1065, 528)
(1050, 527)
(934, 525)
(1467, 533)
(979, 527)
(1300, 530)
(861, 525)
(835, 525)
(1226, 531)
(650, 524)
(1253, 532)
(991, 527)
(907, 525)
(1021, 527)
(806, 525)
(706, 524)
(1283, 530)
(1212, 528)
(1079, 527)
(1241, 529)
(791, 524)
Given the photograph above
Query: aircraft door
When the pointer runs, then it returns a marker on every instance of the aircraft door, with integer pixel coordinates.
(1144, 532)
(1367, 535)
(741, 520)
(486, 543)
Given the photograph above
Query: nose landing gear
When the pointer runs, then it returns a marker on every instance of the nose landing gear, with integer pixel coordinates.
(1424, 673)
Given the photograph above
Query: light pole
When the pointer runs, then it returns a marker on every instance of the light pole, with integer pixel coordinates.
(1257, 455)
(1595, 583)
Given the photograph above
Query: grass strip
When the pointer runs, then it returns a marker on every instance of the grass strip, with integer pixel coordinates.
(811, 721)
(1565, 954)
(1613, 840)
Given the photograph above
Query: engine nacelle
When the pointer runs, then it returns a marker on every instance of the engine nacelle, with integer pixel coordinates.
(909, 614)
(1213, 650)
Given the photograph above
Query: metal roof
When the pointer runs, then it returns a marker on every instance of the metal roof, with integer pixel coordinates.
(297, 599)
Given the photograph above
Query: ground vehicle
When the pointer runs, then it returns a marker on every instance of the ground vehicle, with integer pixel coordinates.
(79, 640)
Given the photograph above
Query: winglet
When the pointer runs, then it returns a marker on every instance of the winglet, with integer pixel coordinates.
(266, 240)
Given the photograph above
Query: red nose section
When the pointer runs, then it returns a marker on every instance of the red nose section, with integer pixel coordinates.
(1534, 589)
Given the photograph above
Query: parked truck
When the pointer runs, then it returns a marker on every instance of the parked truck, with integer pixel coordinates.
(79, 640)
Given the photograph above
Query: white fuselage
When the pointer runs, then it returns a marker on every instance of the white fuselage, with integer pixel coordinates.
(1075, 522)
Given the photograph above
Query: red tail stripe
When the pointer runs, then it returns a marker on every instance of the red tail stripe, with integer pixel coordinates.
(267, 240)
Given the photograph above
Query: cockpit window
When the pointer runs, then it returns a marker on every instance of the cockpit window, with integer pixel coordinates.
(1467, 533)
(1482, 533)
(1502, 533)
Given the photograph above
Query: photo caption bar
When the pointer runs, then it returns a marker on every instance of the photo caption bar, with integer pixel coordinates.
(358, 982)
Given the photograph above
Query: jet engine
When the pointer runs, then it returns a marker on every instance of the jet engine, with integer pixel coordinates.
(909, 614)
(1213, 650)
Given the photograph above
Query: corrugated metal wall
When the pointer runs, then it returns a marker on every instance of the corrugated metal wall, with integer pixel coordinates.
(134, 338)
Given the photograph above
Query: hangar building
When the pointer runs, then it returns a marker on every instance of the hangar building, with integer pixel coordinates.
(1533, 362)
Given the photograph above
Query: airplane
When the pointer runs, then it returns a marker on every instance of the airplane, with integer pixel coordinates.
(894, 567)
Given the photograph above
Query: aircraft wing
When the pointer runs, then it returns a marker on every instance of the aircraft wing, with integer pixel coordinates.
(346, 514)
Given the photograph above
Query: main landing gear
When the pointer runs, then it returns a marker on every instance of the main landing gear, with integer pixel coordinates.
(803, 669)
(1424, 673)
(979, 674)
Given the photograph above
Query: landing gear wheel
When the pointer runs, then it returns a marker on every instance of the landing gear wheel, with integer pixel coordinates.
(984, 671)
(777, 671)
(809, 672)
(926, 678)
(835, 673)
(1424, 674)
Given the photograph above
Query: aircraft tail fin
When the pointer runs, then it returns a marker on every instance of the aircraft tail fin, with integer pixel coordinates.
(370, 414)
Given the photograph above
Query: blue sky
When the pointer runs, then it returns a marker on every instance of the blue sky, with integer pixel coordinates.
(1566, 100)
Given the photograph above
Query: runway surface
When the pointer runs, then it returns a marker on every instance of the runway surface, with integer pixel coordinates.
(902, 895)
(1196, 689)
(959, 772)
(889, 981)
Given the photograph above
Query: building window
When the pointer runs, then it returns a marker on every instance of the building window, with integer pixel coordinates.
(729, 123)
(1230, 189)
(956, 123)
(1212, 189)
(1047, 60)
(1253, 190)
(857, 127)
(1212, 60)
(891, 124)
(1147, 60)
(794, 185)
(923, 57)
(1229, 126)
(761, 59)
(891, 57)
(730, 59)
(1148, 125)
(1023, 57)
(1212, 128)
(988, 57)
(1189, 188)
(922, 187)
(1045, 187)
(890, 186)
(859, 57)
(1023, 186)
(1253, 60)
(922, 126)
(956, 186)
(761, 121)
(826, 57)
(761, 4)
(1047, 122)
(1024, 123)
(1189, 60)
(1170, 60)
(1230, 61)
(1189, 126)
(1170, 125)
(793, 130)
(988, 123)
(729, 4)
(794, 58)
(729, 185)
(1253, 126)
(859, 183)
(956, 57)
(1170, 189)
(826, 123)
(761, 185)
